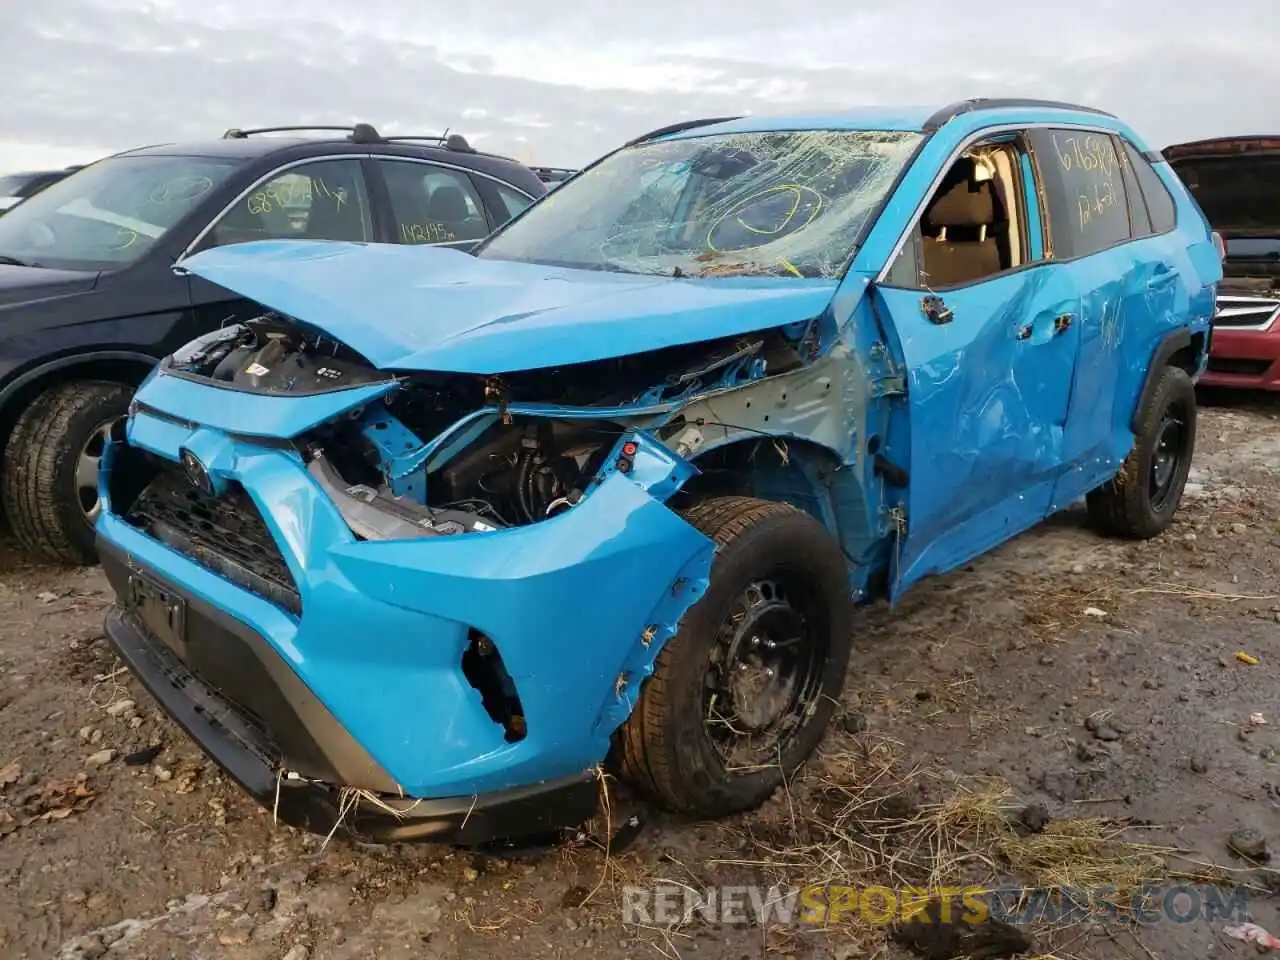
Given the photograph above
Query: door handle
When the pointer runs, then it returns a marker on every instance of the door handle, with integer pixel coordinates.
(935, 310)
(1060, 325)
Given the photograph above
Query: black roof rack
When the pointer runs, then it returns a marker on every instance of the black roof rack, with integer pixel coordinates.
(953, 110)
(451, 141)
(678, 128)
(359, 133)
(549, 174)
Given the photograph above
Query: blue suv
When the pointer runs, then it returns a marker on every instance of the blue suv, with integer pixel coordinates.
(438, 537)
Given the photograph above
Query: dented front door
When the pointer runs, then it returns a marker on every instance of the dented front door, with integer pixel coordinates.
(989, 374)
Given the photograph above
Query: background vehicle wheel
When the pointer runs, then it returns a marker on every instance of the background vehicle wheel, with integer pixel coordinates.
(743, 692)
(1142, 499)
(49, 482)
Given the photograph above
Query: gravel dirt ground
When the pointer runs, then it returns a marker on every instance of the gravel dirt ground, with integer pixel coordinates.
(1094, 677)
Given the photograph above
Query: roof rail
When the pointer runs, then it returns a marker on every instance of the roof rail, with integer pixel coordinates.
(451, 141)
(678, 128)
(547, 174)
(357, 133)
(953, 110)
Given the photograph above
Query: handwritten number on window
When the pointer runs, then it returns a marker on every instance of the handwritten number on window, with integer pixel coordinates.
(1093, 159)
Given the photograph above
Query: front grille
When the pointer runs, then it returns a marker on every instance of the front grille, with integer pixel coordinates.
(1245, 312)
(225, 534)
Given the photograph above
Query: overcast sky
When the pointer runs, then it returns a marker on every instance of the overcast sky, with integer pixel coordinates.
(560, 83)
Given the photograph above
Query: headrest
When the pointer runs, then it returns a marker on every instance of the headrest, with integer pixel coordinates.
(965, 205)
(447, 205)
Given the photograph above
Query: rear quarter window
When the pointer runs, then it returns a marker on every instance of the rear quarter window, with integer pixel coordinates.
(1083, 183)
(512, 201)
(1159, 202)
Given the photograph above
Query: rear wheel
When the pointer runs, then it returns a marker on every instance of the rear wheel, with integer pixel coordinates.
(49, 483)
(1140, 501)
(741, 695)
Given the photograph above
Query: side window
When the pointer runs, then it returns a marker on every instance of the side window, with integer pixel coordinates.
(905, 271)
(1084, 191)
(511, 200)
(325, 200)
(973, 227)
(433, 204)
(1160, 205)
(1139, 219)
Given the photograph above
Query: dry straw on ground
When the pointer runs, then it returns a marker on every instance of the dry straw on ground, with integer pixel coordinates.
(857, 820)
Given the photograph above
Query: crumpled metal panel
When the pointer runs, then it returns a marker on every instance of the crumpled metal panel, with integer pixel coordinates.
(235, 411)
(989, 394)
(579, 606)
(432, 308)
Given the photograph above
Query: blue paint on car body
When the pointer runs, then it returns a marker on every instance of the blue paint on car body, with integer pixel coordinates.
(440, 309)
(921, 420)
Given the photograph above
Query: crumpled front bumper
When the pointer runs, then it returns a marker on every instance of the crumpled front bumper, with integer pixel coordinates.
(365, 687)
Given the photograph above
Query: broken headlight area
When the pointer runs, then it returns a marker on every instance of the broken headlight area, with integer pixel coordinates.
(510, 474)
(447, 454)
(274, 354)
(270, 354)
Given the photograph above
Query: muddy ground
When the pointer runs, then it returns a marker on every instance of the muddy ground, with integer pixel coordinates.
(1095, 677)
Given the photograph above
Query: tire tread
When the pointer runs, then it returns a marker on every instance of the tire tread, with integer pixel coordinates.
(1120, 506)
(644, 740)
(36, 509)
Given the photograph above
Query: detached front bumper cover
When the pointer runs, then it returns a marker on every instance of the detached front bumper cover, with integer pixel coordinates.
(245, 753)
(361, 696)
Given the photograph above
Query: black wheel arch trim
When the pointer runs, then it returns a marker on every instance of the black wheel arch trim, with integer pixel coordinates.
(13, 387)
(1172, 342)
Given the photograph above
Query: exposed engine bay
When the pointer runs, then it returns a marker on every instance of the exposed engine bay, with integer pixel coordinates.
(445, 454)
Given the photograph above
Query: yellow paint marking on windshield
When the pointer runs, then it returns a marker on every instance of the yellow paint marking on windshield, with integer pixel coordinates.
(795, 205)
(181, 190)
(790, 266)
(797, 191)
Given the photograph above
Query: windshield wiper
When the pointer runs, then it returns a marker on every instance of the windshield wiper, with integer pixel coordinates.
(15, 262)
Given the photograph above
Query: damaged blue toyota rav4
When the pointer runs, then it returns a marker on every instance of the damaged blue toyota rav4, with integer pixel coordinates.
(438, 537)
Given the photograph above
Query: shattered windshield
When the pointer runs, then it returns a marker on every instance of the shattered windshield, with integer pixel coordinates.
(743, 204)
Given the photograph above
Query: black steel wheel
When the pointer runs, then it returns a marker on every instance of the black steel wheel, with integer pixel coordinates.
(742, 694)
(764, 671)
(1141, 500)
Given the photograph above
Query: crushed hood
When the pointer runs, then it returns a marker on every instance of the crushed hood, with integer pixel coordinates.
(432, 308)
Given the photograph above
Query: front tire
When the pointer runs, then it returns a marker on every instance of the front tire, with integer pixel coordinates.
(1140, 501)
(49, 482)
(742, 694)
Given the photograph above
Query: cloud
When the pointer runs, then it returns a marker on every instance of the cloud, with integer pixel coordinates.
(561, 83)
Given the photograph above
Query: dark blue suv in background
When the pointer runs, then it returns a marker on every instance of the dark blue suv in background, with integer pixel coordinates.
(89, 299)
